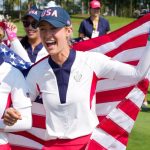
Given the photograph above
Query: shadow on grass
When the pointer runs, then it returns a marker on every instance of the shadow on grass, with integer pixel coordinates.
(145, 109)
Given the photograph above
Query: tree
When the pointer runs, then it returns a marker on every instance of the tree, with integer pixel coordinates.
(10, 5)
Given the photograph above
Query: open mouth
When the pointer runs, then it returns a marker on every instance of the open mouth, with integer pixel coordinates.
(50, 43)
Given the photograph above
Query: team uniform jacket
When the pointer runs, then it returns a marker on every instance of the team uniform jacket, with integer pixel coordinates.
(24, 50)
(13, 90)
(68, 91)
(86, 27)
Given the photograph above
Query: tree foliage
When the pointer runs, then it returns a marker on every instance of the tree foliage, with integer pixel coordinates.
(115, 7)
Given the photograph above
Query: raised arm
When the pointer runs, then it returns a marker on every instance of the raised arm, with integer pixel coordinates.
(106, 67)
(140, 71)
(16, 46)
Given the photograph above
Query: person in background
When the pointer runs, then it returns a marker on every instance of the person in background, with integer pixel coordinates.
(95, 25)
(145, 102)
(51, 4)
(65, 77)
(30, 48)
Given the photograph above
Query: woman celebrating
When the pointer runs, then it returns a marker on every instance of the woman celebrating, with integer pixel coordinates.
(65, 79)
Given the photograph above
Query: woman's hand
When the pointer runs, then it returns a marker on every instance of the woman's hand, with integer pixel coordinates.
(11, 30)
(11, 116)
(2, 34)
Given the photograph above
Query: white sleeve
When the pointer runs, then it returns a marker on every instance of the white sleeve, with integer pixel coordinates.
(20, 101)
(32, 85)
(135, 73)
(20, 93)
(108, 68)
(17, 47)
(20, 125)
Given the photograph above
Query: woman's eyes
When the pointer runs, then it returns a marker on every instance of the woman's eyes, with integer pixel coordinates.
(42, 29)
(45, 29)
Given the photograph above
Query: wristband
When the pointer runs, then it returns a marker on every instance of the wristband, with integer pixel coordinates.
(10, 34)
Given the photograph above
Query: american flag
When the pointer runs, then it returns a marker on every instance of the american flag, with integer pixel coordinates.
(118, 103)
(7, 55)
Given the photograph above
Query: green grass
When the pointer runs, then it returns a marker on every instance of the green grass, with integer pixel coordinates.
(20, 27)
(115, 23)
(140, 135)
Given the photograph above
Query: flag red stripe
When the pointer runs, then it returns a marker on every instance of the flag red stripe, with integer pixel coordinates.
(9, 101)
(95, 146)
(38, 121)
(141, 41)
(108, 125)
(112, 95)
(123, 138)
(132, 112)
(93, 88)
(134, 63)
(88, 44)
(143, 85)
(100, 118)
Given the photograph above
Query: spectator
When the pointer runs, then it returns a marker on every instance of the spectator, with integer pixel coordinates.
(145, 102)
(51, 4)
(32, 41)
(95, 25)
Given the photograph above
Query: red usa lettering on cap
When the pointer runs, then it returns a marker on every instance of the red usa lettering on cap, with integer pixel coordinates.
(49, 12)
(33, 12)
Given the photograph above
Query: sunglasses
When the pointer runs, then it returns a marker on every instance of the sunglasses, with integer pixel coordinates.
(33, 24)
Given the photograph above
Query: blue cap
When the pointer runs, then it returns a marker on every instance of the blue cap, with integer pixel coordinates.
(56, 16)
(33, 12)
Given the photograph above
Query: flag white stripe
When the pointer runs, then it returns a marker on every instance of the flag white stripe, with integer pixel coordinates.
(103, 109)
(38, 108)
(107, 84)
(136, 96)
(18, 140)
(38, 132)
(130, 54)
(106, 140)
(121, 119)
(117, 146)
